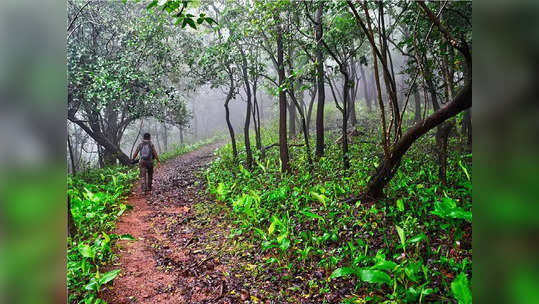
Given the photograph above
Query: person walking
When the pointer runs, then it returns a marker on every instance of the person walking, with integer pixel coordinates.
(147, 155)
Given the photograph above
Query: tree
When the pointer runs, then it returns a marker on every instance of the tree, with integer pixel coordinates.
(342, 43)
(320, 81)
(283, 142)
(114, 79)
(463, 100)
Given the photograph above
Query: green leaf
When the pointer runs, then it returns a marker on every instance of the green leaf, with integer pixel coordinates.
(312, 215)
(271, 228)
(210, 20)
(109, 276)
(400, 232)
(400, 205)
(123, 207)
(284, 244)
(87, 251)
(374, 276)
(320, 197)
(461, 290)
(447, 208)
(152, 4)
(417, 238)
(342, 272)
(92, 285)
(412, 271)
(384, 265)
(127, 237)
(465, 170)
(191, 22)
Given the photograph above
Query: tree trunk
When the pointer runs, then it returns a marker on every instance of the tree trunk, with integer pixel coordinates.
(181, 135)
(292, 119)
(467, 126)
(291, 107)
(283, 142)
(345, 114)
(353, 95)
(103, 142)
(71, 228)
(387, 169)
(430, 86)
(165, 137)
(111, 132)
(310, 109)
(227, 116)
(73, 167)
(300, 108)
(247, 110)
(417, 102)
(320, 76)
(256, 117)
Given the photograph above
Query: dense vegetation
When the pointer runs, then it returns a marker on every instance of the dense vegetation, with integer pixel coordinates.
(414, 245)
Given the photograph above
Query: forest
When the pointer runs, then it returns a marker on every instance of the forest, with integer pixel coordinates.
(315, 151)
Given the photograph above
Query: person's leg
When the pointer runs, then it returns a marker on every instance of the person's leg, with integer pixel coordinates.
(142, 177)
(150, 176)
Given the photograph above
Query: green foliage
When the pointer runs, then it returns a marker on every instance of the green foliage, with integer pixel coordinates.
(96, 202)
(301, 222)
(177, 9)
(448, 209)
(461, 290)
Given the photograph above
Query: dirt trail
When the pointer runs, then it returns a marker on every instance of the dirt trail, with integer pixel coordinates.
(169, 262)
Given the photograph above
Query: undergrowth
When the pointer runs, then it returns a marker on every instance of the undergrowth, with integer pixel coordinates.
(413, 246)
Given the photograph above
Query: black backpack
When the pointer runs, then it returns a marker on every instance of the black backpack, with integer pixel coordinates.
(146, 152)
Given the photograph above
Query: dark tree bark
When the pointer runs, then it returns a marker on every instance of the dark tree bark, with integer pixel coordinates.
(311, 104)
(353, 95)
(320, 77)
(387, 169)
(71, 157)
(345, 114)
(467, 126)
(103, 142)
(248, 110)
(227, 116)
(430, 86)
(291, 107)
(256, 115)
(300, 108)
(71, 228)
(283, 142)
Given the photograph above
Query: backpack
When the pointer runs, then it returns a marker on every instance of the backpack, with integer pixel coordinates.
(146, 152)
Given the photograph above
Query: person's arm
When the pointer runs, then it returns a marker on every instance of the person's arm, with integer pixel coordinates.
(155, 155)
(136, 152)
